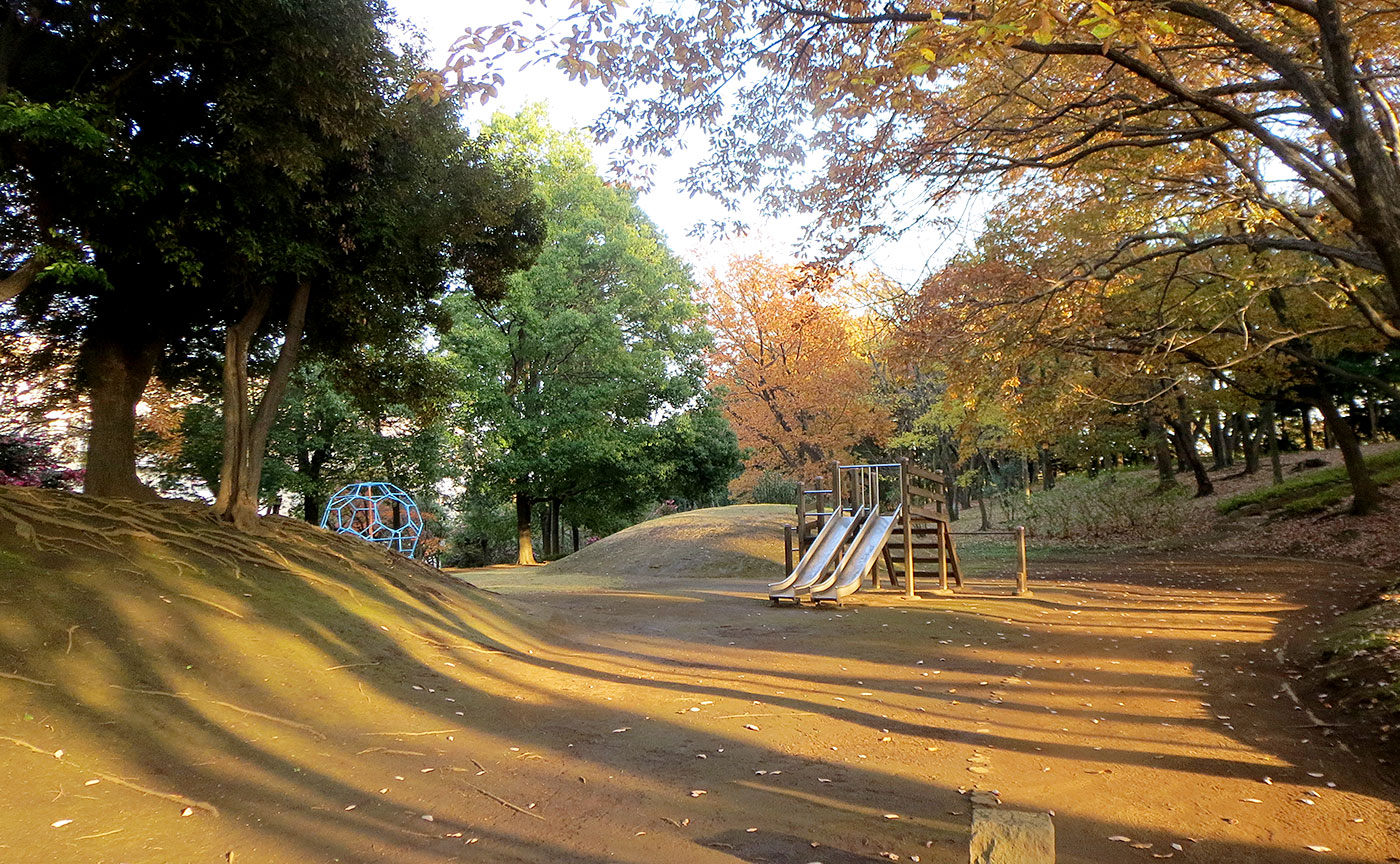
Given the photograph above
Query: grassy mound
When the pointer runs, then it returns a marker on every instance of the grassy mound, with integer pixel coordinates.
(1359, 657)
(744, 541)
(172, 685)
(1314, 492)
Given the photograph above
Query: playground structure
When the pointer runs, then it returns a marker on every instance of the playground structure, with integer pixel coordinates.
(865, 518)
(377, 512)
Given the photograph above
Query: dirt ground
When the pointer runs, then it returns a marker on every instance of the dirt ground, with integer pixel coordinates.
(174, 693)
(1130, 697)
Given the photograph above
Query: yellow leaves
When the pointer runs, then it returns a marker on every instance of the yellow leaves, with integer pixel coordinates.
(794, 383)
(430, 86)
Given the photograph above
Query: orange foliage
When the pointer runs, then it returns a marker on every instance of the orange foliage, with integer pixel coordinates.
(789, 369)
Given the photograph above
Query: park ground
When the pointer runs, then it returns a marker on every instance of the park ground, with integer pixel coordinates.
(299, 697)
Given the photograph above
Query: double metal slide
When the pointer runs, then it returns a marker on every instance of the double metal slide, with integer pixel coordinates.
(840, 556)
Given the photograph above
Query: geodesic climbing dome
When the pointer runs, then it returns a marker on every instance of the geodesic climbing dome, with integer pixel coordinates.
(378, 512)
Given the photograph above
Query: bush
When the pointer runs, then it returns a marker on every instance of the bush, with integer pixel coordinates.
(28, 461)
(1110, 505)
(774, 488)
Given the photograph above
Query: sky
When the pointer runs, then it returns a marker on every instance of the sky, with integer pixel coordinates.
(673, 210)
(572, 105)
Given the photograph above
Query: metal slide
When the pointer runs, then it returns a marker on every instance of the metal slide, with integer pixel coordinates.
(856, 563)
(814, 563)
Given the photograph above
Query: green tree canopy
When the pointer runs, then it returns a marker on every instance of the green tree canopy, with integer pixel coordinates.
(566, 378)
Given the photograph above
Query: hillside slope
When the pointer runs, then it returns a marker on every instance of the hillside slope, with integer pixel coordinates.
(743, 541)
(154, 663)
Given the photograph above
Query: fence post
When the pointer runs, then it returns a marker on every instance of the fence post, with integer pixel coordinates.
(1022, 577)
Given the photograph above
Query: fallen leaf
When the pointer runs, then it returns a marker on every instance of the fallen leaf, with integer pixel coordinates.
(1119, 838)
(696, 793)
(1318, 848)
(60, 823)
(750, 727)
(188, 811)
(427, 817)
(623, 729)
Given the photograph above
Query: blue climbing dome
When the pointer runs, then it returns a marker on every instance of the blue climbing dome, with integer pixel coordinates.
(378, 512)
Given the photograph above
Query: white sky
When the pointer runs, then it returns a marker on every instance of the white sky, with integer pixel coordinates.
(574, 105)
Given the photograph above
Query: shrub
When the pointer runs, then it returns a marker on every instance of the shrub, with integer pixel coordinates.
(1110, 505)
(28, 461)
(774, 488)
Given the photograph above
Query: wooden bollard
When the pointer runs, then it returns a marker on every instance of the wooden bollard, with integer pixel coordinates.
(1023, 588)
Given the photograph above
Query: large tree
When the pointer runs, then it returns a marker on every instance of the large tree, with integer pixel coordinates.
(229, 178)
(567, 375)
(787, 367)
(1278, 113)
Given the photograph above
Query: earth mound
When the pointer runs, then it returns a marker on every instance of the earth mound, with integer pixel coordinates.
(742, 541)
(175, 690)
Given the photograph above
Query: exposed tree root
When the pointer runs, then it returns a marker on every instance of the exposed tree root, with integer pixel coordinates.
(503, 802)
(229, 705)
(111, 778)
(15, 677)
(210, 603)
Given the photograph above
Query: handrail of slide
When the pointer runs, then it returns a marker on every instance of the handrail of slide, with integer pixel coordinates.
(815, 560)
(859, 558)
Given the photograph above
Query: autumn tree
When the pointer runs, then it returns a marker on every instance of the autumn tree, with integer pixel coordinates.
(1294, 98)
(789, 368)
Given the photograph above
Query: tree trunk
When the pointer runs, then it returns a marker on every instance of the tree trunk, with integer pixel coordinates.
(1216, 437)
(1248, 441)
(1366, 495)
(116, 372)
(1185, 444)
(1047, 469)
(982, 511)
(950, 490)
(573, 529)
(313, 507)
(1027, 474)
(1162, 453)
(1306, 414)
(246, 429)
(525, 542)
(1270, 432)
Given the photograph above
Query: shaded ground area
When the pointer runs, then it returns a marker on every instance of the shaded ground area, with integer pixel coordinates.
(304, 698)
(1132, 696)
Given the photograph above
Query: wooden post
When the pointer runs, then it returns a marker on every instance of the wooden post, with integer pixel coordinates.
(1022, 577)
(943, 558)
(801, 522)
(908, 530)
(787, 548)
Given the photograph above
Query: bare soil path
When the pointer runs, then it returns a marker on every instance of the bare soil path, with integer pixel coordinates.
(1138, 698)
